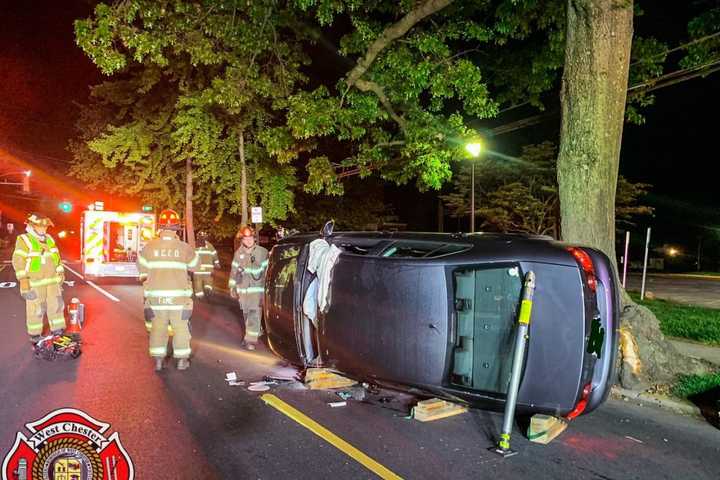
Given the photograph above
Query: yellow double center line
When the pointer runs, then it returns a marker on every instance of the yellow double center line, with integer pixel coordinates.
(337, 442)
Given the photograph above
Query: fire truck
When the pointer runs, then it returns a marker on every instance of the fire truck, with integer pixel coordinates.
(111, 241)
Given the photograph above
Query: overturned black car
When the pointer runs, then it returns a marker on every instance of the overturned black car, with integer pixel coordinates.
(438, 313)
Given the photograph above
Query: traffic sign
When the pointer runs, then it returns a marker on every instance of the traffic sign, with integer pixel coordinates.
(256, 214)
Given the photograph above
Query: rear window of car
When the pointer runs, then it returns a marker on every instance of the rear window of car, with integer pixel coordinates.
(406, 249)
(486, 302)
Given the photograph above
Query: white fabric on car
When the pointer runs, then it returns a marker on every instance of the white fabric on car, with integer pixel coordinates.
(323, 258)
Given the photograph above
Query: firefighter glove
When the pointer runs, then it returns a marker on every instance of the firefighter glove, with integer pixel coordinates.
(233, 292)
(25, 291)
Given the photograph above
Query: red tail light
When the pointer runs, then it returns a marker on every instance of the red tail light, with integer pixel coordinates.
(582, 403)
(584, 260)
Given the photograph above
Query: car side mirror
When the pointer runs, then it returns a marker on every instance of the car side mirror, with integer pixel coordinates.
(328, 228)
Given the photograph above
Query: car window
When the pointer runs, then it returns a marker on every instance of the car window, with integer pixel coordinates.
(282, 275)
(404, 249)
(358, 247)
(486, 301)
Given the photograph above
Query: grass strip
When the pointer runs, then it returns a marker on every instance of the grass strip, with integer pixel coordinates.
(685, 321)
(689, 385)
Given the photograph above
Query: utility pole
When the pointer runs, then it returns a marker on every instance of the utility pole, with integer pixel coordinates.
(472, 199)
(243, 178)
(441, 215)
(644, 274)
(625, 257)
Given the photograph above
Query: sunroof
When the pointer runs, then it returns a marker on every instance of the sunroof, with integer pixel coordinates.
(410, 249)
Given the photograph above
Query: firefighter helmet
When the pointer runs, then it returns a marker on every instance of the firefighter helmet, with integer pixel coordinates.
(246, 231)
(169, 220)
(38, 220)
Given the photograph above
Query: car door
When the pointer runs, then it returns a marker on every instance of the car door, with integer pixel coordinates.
(280, 303)
(388, 319)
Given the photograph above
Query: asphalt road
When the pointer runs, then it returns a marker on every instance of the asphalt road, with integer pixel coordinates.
(192, 425)
(688, 289)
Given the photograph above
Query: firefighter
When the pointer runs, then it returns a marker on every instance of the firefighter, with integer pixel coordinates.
(164, 264)
(40, 274)
(202, 278)
(247, 277)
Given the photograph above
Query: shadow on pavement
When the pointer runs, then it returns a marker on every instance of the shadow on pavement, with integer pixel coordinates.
(709, 404)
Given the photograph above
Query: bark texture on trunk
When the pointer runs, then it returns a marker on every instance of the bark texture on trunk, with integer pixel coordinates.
(594, 88)
(593, 95)
(189, 226)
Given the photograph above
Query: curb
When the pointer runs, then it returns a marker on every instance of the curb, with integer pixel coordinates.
(676, 405)
(687, 275)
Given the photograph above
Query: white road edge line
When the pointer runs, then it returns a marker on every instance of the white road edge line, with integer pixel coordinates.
(104, 292)
(73, 271)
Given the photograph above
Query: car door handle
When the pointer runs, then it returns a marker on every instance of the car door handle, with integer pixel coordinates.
(453, 326)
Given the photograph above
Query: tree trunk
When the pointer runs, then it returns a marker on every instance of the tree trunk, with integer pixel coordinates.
(243, 179)
(593, 95)
(594, 86)
(189, 226)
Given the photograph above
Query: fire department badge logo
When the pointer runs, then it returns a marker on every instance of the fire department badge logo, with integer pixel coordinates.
(67, 444)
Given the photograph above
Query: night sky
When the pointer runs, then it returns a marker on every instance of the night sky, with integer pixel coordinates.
(43, 74)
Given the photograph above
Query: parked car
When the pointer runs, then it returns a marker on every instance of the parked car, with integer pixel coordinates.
(437, 313)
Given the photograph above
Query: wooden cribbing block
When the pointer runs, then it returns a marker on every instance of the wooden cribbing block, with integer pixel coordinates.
(322, 379)
(435, 409)
(545, 428)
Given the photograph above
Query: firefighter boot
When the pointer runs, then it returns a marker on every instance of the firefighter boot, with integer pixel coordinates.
(159, 363)
(183, 363)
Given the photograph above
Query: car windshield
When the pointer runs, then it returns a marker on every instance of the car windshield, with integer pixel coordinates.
(486, 303)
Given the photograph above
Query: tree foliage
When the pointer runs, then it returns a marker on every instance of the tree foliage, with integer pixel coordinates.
(322, 90)
(422, 71)
(361, 207)
(187, 78)
(521, 194)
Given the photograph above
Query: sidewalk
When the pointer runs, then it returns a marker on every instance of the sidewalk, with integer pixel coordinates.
(677, 405)
(685, 275)
(697, 350)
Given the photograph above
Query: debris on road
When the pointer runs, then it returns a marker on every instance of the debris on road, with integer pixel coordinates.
(355, 393)
(323, 379)
(435, 409)
(231, 379)
(633, 439)
(337, 404)
(259, 387)
(285, 373)
(545, 428)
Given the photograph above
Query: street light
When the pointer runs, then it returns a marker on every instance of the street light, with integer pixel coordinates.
(474, 149)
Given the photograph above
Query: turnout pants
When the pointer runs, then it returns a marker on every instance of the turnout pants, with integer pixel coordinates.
(252, 325)
(49, 301)
(178, 320)
(250, 300)
(202, 283)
